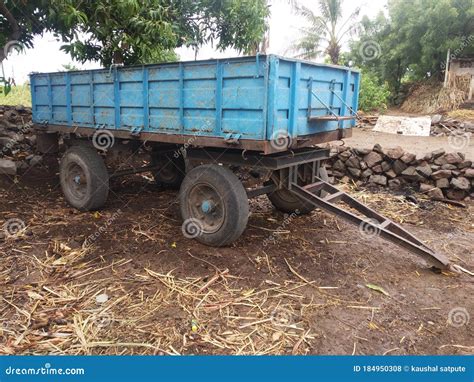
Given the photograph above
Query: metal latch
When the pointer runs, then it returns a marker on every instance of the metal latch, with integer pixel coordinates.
(136, 131)
(232, 139)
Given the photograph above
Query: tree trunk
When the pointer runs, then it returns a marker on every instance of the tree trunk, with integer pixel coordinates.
(14, 35)
(117, 57)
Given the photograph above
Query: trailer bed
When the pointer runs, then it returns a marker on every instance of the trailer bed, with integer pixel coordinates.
(245, 102)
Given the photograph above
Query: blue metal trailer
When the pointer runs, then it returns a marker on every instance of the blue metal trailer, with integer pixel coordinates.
(241, 102)
(203, 123)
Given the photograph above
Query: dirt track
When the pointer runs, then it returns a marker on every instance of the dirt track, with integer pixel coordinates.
(294, 284)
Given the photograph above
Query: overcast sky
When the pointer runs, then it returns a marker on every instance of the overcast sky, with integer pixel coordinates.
(284, 25)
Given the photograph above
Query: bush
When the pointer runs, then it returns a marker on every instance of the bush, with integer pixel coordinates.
(18, 95)
(373, 94)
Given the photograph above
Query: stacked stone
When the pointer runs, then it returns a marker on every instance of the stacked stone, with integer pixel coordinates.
(443, 126)
(437, 174)
(17, 140)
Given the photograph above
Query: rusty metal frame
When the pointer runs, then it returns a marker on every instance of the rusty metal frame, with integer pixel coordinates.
(262, 146)
(389, 230)
(257, 160)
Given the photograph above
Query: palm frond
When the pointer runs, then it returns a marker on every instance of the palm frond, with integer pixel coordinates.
(326, 25)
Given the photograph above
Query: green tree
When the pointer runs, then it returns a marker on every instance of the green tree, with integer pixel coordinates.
(20, 21)
(328, 29)
(374, 96)
(134, 31)
(412, 42)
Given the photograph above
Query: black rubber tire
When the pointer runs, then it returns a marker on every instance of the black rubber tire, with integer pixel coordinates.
(233, 198)
(172, 170)
(96, 185)
(287, 202)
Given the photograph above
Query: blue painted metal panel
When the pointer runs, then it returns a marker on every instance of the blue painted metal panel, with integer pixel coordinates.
(253, 97)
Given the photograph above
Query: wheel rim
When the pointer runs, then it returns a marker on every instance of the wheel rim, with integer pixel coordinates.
(76, 181)
(206, 205)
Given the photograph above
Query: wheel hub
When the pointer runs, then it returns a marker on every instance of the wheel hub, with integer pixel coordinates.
(207, 206)
(77, 180)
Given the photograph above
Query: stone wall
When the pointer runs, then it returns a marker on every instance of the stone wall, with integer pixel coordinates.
(437, 174)
(17, 140)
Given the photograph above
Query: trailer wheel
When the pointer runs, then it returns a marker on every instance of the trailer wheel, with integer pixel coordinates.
(285, 201)
(84, 178)
(214, 205)
(171, 171)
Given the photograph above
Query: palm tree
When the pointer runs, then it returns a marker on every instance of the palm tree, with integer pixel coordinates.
(328, 27)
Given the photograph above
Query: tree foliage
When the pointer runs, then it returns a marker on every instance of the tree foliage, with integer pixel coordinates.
(374, 95)
(20, 21)
(412, 42)
(135, 31)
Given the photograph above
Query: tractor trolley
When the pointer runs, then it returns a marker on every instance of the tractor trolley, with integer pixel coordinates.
(221, 131)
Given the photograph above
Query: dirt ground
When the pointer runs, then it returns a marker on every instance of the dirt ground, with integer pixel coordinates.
(290, 285)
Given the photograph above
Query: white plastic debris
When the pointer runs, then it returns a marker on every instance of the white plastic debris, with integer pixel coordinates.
(417, 126)
(101, 298)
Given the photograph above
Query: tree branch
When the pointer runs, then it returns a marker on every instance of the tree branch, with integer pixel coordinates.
(15, 28)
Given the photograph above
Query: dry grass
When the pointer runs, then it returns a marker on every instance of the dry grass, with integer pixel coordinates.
(462, 114)
(57, 310)
(59, 298)
(19, 95)
(429, 98)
